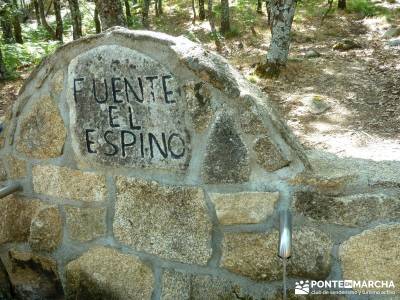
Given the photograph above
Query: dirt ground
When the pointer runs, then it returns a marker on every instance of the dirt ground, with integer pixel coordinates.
(345, 102)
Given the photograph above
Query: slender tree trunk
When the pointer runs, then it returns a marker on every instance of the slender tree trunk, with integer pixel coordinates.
(202, 11)
(160, 7)
(145, 13)
(194, 13)
(76, 19)
(259, 6)
(282, 13)
(17, 29)
(3, 72)
(225, 22)
(37, 13)
(128, 11)
(6, 28)
(111, 13)
(268, 8)
(44, 21)
(59, 21)
(342, 4)
(16, 23)
(97, 23)
(212, 25)
(49, 8)
(156, 8)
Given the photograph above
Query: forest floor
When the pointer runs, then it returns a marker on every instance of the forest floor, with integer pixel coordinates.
(345, 102)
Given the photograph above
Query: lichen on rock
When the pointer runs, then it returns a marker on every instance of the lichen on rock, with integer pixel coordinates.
(42, 131)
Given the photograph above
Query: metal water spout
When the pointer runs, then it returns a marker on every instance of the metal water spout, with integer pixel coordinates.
(285, 243)
(285, 234)
(10, 189)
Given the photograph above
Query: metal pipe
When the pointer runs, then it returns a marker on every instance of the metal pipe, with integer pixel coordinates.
(9, 189)
(285, 234)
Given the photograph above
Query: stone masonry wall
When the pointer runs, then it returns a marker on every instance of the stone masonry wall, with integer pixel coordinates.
(186, 206)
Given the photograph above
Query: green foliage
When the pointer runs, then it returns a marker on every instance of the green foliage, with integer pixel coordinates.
(215, 36)
(253, 78)
(311, 8)
(246, 12)
(87, 14)
(233, 32)
(135, 22)
(363, 7)
(27, 55)
(366, 8)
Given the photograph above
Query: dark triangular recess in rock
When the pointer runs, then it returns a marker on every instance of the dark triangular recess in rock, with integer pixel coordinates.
(226, 159)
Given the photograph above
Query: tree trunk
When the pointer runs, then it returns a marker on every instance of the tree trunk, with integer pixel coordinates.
(156, 8)
(44, 21)
(194, 12)
(268, 8)
(341, 4)
(202, 12)
(17, 29)
(6, 28)
(37, 13)
(282, 13)
(212, 25)
(225, 23)
(259, 6)
(128, 11)
(145, 13)
(3, 72)
(16, 22)
(97, 20)
(160, 8)
(111, 13)
(59, 21)
(76, 19)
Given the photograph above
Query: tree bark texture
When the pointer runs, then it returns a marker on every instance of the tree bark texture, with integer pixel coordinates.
(145, 13)
(16, 22)
(212, 25)
(268, 8)
(59, 21)
(97, 23)
(76, 19)
(3, 73)
(37, 13)
(202, 11)
(128, 11)
(111, 13)
(282, 13)
(160, 7)
(342, 4)
(17, 29)
(156, 8)
(194, 12)
(225, 22)
(46, 25)
(6, 27)
(259, 6)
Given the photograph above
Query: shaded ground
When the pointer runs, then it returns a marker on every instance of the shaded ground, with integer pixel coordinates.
(359, 88)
